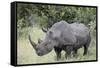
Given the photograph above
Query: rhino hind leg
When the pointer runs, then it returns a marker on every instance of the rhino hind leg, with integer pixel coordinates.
(58, 53)
(85, 50)
(86, 46)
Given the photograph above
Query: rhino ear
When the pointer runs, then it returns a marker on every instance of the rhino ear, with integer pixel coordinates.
(45, 29)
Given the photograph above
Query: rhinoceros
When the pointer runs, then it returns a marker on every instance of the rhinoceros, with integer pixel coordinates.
(63, 36)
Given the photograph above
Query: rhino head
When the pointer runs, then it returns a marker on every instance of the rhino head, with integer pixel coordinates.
(45, 46)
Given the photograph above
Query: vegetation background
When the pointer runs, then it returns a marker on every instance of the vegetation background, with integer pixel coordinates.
(32, 17)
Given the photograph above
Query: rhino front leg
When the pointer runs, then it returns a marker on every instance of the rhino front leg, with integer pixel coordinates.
(58, 53)
(86, 48)
(87, 45)
(68, 55)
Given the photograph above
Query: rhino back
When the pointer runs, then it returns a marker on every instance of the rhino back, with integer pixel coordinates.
(66, 32)
(81, 32)
(79, 29)
(60, 26)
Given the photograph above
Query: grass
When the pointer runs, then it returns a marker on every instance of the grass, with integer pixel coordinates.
(26, 54)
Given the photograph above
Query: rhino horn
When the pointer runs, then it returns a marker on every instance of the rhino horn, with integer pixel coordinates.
(39, 41)
(32, 43)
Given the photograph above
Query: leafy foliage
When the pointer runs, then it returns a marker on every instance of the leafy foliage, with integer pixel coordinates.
(53, 13)
(46, 15)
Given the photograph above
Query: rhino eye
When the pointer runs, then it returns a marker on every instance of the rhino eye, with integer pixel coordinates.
(45, 45)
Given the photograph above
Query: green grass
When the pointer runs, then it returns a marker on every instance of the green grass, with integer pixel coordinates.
(26, 54)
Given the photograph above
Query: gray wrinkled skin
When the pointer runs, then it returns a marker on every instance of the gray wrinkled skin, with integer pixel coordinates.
(64, 36)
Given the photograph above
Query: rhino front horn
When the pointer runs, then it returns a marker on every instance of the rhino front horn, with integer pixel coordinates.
(32, 43)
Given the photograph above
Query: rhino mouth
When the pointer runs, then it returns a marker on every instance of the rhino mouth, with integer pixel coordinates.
(39, 54)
